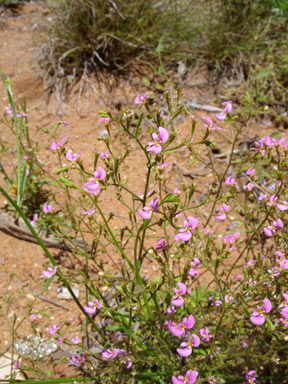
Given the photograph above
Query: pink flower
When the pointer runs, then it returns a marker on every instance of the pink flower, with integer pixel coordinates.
(92, 307)
(17, 364)
(271, 229)
(185, 233)
(230, 181)
(104, 119)
(164, 115)
(47, 208)
(162, 244)
(244, 343)
(283, 264)
(110, 354)
(250, 172)
(53, 329)
(60, 341)
(50, 272)
(170, 310)
(221, 215)
(249, 186)
(284, 312)
(33, 317)
(75, 340)
(258, 317)
(250, 376)
(61, 119)
(269, 141)
(35, 218)
(100, 174)
(228, 108)
(210, 125)
(128, 363)
(250, 263)
(104, 155)
(146, 212)
(177, 299)
(93, 187)
(156, 145)
(190, 378)
(229, 240)
(8, 110)
(55, 146)
(228, 299)
(89, 213)
(141, 99)
(73, 156)
(194, 264)
(78, 358)
(186, 349)
(205, 333)
(273, 202)
(179, 329)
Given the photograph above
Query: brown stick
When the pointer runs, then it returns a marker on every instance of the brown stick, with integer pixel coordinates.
(9, 226)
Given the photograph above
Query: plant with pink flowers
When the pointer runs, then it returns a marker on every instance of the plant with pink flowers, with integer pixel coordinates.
(179, 282)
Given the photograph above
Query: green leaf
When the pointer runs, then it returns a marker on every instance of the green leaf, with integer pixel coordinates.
(175, 199)
(146, 81)
(160, 48)
(67, 183)
(61, 170)
(144, 225)
(49, 281)
(104, 114)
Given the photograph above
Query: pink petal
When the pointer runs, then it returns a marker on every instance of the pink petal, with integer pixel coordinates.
(268, 232)
(267, 305)
(155, 148)
(177, 330)
(182, 288)
(184, 352)
(257, 320)
(178, 302)
(146, 215)
(69, 155)
(100, 174)
(192, 376)
(221, 216)
(193, 222)
(47, 274)
(137, 100)
(228, 106)
(189, 322)
(183, 236)
(220, 116)
(62, 142)
(54, 146)
(90, 310)
(206, 118)
(163, 134)
(93, 188)
(196, 341)
(178, 381)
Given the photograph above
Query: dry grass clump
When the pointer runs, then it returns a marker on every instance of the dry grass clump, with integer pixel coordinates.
(247, 37)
